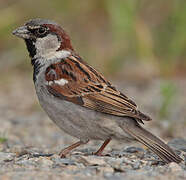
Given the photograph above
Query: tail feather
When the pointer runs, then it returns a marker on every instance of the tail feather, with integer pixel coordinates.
(153, 143)
(167, 155)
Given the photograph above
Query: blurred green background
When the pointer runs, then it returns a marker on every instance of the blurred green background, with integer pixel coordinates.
(123, 38)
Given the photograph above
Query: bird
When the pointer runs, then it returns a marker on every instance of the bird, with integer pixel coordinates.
(78, 98)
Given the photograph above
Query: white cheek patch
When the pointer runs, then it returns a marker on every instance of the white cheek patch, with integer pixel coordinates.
(60, 82)
(47, 46)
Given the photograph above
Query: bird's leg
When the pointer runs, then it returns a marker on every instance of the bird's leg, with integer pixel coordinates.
(100, 150)
(65, 151)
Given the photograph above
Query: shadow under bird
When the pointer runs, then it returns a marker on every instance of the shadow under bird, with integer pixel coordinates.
(78, 98)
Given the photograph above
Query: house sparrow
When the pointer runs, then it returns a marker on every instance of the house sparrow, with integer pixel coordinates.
(78, 98)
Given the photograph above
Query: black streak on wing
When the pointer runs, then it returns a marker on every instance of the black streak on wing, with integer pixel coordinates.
(81, 69)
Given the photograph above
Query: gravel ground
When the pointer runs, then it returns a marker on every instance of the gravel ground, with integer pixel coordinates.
(30, 142)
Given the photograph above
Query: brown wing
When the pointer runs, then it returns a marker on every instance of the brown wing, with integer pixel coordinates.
(86, 87)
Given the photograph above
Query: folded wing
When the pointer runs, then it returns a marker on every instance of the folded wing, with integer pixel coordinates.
(73, 80)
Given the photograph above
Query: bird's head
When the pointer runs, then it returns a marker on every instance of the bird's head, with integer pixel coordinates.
(44, 39)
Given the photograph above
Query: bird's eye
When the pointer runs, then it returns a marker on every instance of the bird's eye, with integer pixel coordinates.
(41, 31)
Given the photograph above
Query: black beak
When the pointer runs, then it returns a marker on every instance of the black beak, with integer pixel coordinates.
(22, 32)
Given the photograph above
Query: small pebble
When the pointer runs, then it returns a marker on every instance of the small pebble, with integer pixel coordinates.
(105, 169)
(44, 162)
(133, 149)
(92, 160)
(6, 156)
(174, 167)
(66, 161)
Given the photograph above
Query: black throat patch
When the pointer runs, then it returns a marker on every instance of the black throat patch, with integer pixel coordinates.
(30, 44)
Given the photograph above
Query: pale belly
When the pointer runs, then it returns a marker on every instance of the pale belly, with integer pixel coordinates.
(81, 122)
